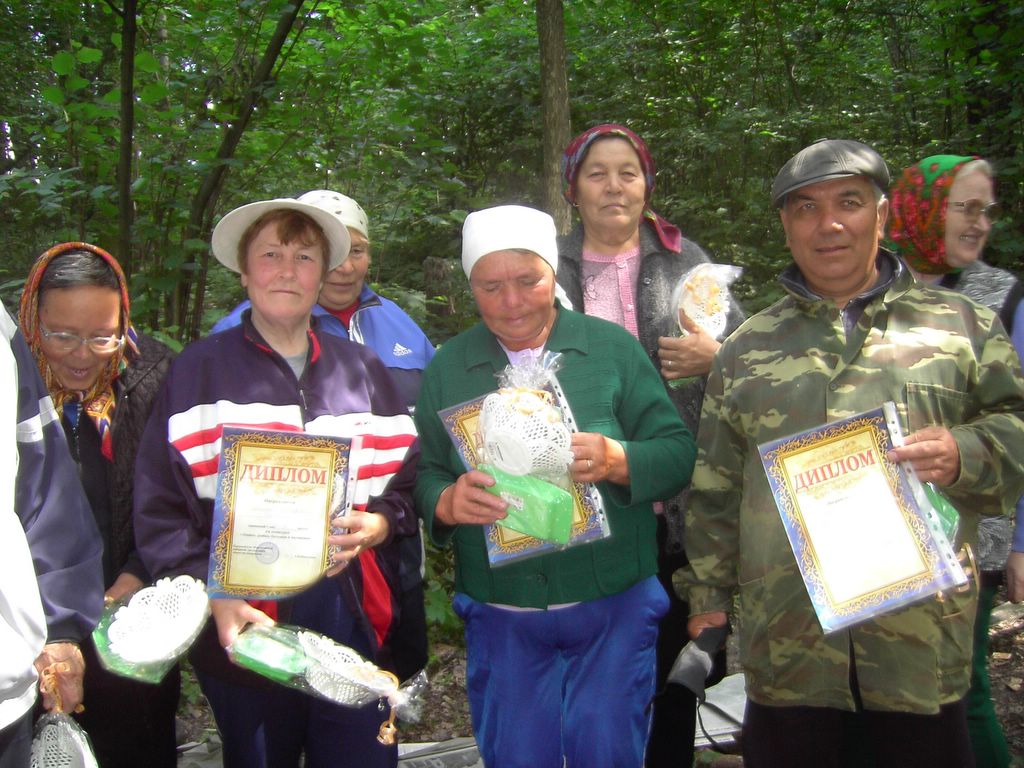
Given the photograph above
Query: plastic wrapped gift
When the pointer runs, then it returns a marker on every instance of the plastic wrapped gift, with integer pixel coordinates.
(59, 742)
(526, 447)
(319, 666)
(535, 507)
(703, 295)
(142, 637)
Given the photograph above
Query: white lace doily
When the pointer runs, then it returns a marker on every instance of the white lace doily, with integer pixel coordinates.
(342, 675)
(59, 743)
(159, 621)
(523, 434)
(704, 300)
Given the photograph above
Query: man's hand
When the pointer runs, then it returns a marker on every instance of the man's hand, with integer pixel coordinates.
(232, 615)
(125, 585)
(933, 453)
(365, 531)
(61, 669)
(701, 621)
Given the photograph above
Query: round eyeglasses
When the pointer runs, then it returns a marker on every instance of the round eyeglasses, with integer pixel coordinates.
(69, 342)
(975, 209)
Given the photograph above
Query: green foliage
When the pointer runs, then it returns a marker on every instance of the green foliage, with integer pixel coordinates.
(444, 625)
(425, 111)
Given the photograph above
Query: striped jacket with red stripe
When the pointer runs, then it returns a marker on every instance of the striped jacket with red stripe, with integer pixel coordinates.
(235, 378)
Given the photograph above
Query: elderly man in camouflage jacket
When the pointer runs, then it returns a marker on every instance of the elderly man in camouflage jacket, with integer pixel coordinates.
(853, 331)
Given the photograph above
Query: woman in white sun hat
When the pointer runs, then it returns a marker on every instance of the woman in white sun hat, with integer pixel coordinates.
(347, 307)
(277, 369)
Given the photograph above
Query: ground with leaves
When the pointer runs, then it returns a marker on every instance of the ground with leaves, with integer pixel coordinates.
(1006, 671)
(446, 714)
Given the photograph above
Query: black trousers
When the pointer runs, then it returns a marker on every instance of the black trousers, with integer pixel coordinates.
(130, 723)
(820, 737)
(670, 744)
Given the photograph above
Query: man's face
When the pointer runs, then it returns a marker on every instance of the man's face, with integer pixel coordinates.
(833, 229)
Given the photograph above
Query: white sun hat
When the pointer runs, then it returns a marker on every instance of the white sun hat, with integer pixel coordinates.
(232, 226)
(507, 227)
(344, 207)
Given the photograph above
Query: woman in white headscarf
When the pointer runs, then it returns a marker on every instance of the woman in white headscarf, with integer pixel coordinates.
(560, 646)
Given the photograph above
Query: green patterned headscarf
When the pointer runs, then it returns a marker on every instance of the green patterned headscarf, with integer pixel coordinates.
(917, 219)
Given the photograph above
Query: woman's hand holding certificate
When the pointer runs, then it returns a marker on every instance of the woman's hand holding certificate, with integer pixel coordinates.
(352, 534)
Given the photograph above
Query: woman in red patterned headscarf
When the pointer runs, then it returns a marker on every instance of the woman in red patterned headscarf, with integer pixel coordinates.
(103, 377)
(941, 213)
(622, 263)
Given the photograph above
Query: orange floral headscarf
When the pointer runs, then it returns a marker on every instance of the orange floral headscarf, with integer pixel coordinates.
(99, 400)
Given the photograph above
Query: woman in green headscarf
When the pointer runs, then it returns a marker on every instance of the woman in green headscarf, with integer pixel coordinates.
(942, 211)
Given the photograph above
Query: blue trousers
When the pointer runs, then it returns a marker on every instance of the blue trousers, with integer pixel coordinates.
(570, 684)
(239, 712)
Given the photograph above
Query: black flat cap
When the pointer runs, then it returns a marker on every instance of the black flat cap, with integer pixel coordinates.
(829, 159)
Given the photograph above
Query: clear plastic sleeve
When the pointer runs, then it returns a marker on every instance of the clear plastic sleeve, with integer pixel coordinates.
(317, 665)
(142, 636)
(702, 293)
(59, 742)
(525, 445)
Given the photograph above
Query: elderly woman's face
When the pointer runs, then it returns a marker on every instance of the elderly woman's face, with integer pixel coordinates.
(515, 293)
(967, 232)
(282, 279)
(610, 187)
(85, 311)
(344, 284)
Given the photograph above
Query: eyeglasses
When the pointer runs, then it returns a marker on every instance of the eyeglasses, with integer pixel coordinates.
(975, 209)
(69, 342)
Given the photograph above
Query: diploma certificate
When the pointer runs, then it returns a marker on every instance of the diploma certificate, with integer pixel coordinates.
(276, 495)
(864, 544)
(505, 545)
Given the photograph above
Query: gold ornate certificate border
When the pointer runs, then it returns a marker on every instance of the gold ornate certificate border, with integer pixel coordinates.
(868, 603)
(232, 445)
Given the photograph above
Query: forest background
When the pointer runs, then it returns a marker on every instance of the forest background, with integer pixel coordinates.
(135, 124)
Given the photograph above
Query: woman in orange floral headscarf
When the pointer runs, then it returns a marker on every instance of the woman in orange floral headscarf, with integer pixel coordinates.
(103, 377)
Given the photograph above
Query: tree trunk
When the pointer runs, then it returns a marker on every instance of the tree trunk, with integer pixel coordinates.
(205, 200)
(554, 97)
(125, 207)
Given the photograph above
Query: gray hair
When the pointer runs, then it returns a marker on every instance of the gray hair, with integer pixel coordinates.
(977, 165)
(75, 269)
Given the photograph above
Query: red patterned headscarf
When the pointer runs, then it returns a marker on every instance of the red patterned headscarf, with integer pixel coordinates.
(99, 401)
(917, 212)
(575, 153)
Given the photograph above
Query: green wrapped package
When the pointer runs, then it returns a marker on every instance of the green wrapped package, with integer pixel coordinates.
(536, 507)
(141, 636)
(947, 513)
(273, 652)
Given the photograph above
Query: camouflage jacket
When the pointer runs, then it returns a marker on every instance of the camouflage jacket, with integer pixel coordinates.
(944, 360)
